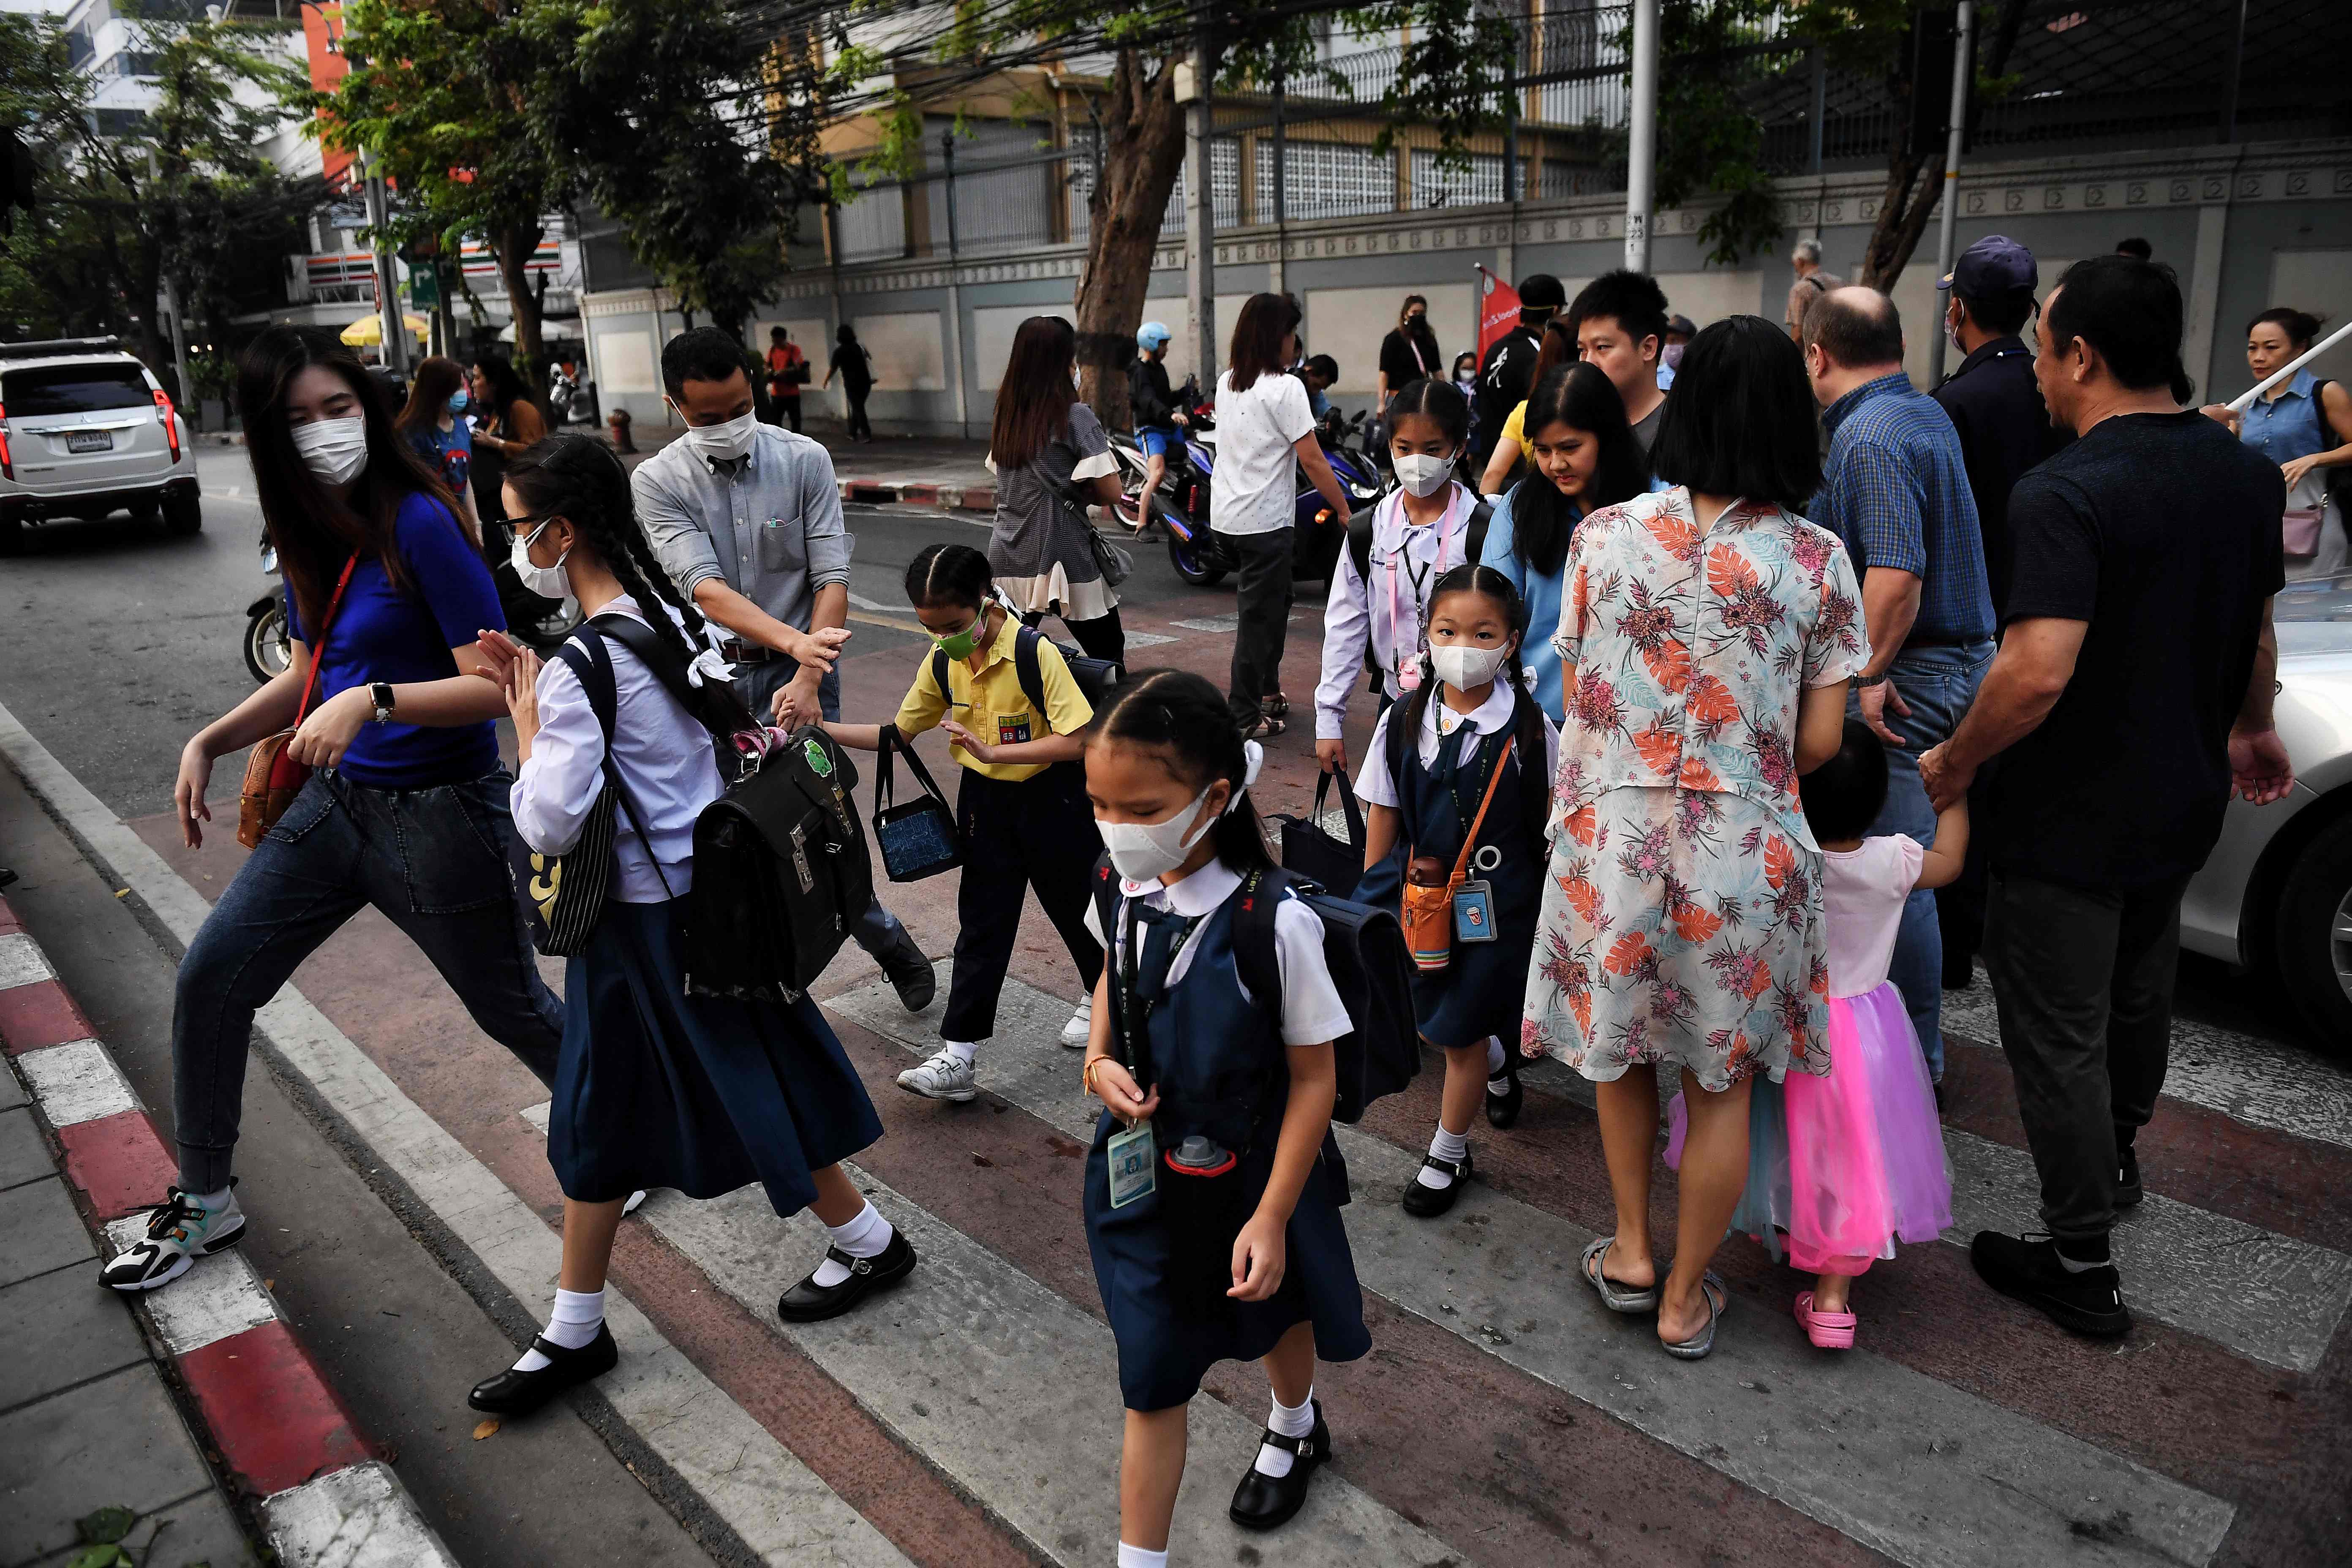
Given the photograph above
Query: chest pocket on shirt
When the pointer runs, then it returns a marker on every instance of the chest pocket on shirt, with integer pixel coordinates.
(784, 545)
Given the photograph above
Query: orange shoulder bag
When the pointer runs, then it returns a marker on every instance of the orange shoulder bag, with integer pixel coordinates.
(272, 779)
(1427, 911)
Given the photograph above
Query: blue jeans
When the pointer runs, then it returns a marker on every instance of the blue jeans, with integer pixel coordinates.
(877, 931)
(1939, 684)
(434, 860)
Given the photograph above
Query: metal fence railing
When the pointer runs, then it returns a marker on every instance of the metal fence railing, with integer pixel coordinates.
(2089, 75)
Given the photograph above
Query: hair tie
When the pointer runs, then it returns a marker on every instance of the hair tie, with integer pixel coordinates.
(1253, 759)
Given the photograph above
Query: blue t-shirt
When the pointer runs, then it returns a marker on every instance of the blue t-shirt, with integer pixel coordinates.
(381, 633)
(451, 451)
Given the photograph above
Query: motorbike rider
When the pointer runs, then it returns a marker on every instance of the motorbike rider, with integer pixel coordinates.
(1158, 420)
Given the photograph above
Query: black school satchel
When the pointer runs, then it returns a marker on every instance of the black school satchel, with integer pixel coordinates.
(1309, 848)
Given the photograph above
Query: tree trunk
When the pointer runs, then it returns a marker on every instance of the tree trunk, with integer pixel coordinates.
(1143, 134)
(512, 248)
(1914, 181)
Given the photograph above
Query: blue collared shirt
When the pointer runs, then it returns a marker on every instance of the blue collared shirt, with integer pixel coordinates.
(768, 526)
(1894, 489)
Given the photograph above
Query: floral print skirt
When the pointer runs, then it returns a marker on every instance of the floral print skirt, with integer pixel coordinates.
(1681, 927)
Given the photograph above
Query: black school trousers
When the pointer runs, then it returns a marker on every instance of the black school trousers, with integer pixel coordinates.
(2083, 983)
(1036, 832)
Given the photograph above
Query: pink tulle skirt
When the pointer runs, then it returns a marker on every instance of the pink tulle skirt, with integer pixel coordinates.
(1842, 1166)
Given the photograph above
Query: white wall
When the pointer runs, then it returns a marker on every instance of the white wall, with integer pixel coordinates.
(907, 348)
(623, 357)
(1350, 323)
(1708, 297)
(2319, 281)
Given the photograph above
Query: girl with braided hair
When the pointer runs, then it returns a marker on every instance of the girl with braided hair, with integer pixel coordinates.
(655, 1088)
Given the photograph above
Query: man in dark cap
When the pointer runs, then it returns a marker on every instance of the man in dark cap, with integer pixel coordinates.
(2004, 430)
(1508, 372)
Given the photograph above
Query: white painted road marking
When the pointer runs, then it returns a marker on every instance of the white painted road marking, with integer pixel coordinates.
(76, 1082)
(352, 1518)
(217, 1297)
(21, 962)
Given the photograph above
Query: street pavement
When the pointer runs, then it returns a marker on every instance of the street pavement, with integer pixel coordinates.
(395, 1162)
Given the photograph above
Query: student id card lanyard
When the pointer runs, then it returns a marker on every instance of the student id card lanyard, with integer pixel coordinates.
(1408, 660)
(1132, 1157)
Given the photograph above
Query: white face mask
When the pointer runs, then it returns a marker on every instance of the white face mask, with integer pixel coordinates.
(334, 450)
(1464, 667)
(1145, 851)
(546, 582)
(1423, 476)
(723, 442)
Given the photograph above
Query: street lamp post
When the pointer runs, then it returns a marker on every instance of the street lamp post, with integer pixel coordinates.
(1642, 148)
(1200, 212)
(387, 294)
(1963, 64)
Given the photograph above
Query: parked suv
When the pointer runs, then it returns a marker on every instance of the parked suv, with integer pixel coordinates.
(85, 430)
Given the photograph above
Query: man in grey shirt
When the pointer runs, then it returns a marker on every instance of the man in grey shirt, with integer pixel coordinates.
(746, 519)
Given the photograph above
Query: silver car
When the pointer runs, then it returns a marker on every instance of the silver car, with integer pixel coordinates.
(85, 430)
(2275, 895)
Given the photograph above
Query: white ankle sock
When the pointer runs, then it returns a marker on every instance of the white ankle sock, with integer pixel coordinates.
(1448, 1146)
(1137, 1557)
(864, 1235)
(963, 1052)
(578, 1315)
(212, 1202)
(1496, 1059)
(1291, 1421)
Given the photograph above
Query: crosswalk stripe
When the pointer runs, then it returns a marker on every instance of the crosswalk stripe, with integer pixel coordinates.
(2258, 1082)
(2269, 1297)
(1007, 1388)
(1952, 1481)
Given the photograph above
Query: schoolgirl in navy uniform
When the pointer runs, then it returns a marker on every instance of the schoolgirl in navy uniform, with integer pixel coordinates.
(655, 1088)
(1167, 771)
(1472, 697)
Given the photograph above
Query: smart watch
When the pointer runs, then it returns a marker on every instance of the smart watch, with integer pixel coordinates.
(379, 693)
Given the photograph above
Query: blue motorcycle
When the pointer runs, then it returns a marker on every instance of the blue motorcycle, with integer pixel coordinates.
(1203, 557)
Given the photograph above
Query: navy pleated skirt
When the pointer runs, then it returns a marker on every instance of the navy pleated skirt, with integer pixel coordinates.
(701, 1094)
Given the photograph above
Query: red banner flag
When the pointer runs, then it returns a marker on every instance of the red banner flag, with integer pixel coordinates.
(1499, 311)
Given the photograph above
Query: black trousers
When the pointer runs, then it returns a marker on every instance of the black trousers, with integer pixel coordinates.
(2083, 981)
(1038, 833)
(860, 428)
(1101, 637)
(1262, 600)
(789, 409)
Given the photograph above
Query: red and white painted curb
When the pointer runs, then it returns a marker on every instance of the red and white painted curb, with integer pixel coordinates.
(326, 1500)
(897, 492)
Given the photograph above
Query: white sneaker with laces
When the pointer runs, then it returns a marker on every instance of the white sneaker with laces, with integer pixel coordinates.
(945, 1077)
(179, 1231)
(1081, 1026)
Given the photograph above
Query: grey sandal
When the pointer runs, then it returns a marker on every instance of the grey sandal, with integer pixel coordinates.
(1695, 1348)
(1615, 1297)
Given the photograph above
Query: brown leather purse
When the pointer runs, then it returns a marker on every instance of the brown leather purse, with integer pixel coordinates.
(272, 779)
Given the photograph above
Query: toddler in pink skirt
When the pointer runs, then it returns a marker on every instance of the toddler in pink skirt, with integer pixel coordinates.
(1843, 1166)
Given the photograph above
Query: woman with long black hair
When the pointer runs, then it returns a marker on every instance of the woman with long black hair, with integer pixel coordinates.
(1584, 458)
(507, 423)
(1051, 460)
(407, 808)
(656, 1087)
(434, 424)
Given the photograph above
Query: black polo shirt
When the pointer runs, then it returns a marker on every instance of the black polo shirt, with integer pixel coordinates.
(2004, 430)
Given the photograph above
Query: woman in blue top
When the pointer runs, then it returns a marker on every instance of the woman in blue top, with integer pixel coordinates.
(433, 423)
(407, 808)
(1584, 458)
(2305, 425)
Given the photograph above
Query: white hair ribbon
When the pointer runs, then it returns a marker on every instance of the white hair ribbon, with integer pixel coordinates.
(1253, 759)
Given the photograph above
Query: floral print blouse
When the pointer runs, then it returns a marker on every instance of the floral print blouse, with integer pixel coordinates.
(1684, 650)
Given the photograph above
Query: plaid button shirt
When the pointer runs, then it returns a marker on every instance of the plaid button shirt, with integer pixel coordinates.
(1896, 489)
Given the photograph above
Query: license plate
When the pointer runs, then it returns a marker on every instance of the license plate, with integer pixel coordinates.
(90, 441)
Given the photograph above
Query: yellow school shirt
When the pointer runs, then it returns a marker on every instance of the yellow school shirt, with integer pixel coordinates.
(991, 705)
(1514, 428)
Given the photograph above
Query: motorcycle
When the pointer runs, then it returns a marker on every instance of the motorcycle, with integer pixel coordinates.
(1203, 557)
(268, 640)
(570, 402)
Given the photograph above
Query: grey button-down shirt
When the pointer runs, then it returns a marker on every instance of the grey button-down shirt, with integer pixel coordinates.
(769, 527)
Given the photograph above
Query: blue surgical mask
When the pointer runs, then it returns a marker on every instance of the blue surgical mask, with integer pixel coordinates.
(458, 401)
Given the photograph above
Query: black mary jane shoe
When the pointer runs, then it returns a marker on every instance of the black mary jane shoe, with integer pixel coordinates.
(1503, 1109)
(809, 1302)
(513, 1393)
(1424, 1201)
(1264, 1501)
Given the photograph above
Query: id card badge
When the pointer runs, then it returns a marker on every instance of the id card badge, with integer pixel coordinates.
(1474, 912)
(1012, 732)
(1134, 1164)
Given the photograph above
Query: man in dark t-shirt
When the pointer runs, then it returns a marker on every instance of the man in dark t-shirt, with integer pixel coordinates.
(2131, 696)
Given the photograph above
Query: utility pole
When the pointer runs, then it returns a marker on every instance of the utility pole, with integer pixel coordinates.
(1642, 159)
(387, 292)
(955, 292)
(1963, 66)
(1200, 210)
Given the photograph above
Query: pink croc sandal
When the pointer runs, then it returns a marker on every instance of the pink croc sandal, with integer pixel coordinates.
(1828, 1330)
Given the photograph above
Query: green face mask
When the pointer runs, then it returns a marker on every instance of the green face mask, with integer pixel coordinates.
(959, 646)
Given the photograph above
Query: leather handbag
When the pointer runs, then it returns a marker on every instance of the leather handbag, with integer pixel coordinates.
(1427, 914)
(1310, 851)
(2299, 530)
(918, 839)
(272, 779)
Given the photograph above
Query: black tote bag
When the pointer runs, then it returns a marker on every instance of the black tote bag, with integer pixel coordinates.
(1309, 850)
(918, 839)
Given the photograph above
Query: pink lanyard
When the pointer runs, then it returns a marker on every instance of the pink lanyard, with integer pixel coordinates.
(1398, 652)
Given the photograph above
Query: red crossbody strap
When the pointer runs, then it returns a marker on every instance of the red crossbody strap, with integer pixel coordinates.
(324, 626)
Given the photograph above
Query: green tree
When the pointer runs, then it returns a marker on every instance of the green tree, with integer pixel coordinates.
(436, 99)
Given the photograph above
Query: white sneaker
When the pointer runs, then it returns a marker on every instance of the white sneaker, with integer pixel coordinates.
(945, 1077)
(1081, 1026)
(179, 1231)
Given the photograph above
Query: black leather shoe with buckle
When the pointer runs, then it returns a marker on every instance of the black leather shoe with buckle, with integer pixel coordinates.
(513, 1393)
(1424, 1201)
(1263, 1501)
(1503, 1109)
(810, 1302)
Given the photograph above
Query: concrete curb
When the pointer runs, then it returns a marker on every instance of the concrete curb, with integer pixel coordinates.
(895, 492)
(326, 1500)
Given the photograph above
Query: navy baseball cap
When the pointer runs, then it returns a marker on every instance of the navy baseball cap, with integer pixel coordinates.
(1993, 265)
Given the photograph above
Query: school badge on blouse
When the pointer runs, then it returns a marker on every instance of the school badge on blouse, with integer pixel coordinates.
(1132, 1164)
